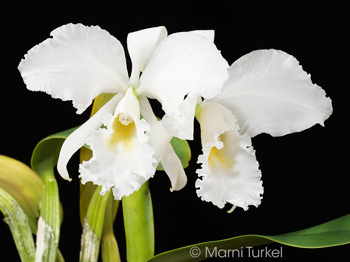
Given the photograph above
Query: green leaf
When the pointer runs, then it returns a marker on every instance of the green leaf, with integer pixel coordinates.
(46, 152)
(332, 233)
(182, 150)
(139, 225)
(19, 226)
(24, 185)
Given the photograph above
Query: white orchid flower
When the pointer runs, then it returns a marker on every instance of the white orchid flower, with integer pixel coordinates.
(267, 92)
(79, 62)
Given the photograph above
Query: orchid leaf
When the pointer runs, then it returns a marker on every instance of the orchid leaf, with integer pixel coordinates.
(19, 226)
(332, 233)
(46, 152)
(24, 185)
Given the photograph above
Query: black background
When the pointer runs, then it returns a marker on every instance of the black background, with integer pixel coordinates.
(305, 175)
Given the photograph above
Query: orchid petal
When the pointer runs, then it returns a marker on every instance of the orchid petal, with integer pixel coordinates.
(122, 159)
(164, 152)
(77, 139)
(209, 34)
(147, 111)
(184, 118)
(230, 172)
(268, 91)
(159, 138)
(183, 63)
(141, 46)
(78, 63)
(173, 168)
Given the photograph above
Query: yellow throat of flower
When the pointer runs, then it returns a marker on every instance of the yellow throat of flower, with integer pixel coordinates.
(124, 129)
(218, 159)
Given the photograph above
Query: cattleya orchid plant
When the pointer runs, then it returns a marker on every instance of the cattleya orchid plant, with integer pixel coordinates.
(126, 153)
(265, 91)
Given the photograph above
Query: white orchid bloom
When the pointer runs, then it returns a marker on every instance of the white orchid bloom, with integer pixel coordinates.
(79, 62)
(267, 92)
(230, 172)
(121, 149)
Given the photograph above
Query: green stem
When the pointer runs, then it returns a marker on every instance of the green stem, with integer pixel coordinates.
(43, 161)
(49, 222)
(19, 226)
(109, 246)
(110, 251)
(59, 257)
(96, 211)
(93, 226)
(50, 206)
(139, 225)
